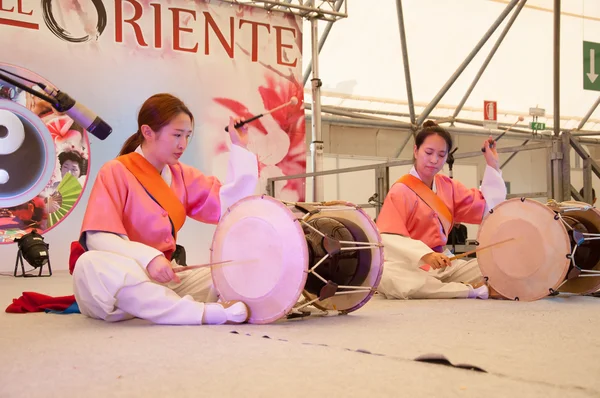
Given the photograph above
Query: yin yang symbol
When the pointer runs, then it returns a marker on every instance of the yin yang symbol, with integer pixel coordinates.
(23, 155)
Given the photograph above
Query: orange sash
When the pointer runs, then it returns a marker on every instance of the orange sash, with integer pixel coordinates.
(154, 184)
(430, 198)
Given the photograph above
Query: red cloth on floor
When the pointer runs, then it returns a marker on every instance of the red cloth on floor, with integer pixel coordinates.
(36, 302)
(76, 251)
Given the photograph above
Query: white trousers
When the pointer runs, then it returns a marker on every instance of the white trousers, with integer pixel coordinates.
(400, 281)
(114, 288)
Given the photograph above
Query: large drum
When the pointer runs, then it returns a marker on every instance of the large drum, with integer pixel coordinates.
(330, 253)
(550, 248)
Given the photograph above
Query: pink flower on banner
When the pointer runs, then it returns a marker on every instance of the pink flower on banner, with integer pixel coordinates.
(280, 151)
(291, 120)
(60, 129)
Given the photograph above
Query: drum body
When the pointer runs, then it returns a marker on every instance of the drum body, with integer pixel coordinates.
(329, 253)
(538, 259)
(583, 223)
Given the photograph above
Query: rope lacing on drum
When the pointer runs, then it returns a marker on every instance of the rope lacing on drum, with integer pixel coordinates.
(346, 289)
(579, 237)
(565, 208)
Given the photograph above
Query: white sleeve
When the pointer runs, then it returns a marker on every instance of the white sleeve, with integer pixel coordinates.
(120, 244)
(242, 177)
(403, 249)
(493, 188)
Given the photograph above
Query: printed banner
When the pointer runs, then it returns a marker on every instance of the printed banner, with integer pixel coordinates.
(221, 60)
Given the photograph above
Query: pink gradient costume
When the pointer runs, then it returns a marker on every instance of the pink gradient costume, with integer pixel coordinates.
(124, 229)
(410, 229)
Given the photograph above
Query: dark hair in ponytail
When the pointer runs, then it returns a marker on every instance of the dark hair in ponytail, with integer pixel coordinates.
(132, 143)
(430, 128)
(156, 112)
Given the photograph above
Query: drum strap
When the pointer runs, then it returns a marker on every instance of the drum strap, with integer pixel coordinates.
(157, 188)
(430, 198)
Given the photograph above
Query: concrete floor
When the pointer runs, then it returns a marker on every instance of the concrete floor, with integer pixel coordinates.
(547, 348)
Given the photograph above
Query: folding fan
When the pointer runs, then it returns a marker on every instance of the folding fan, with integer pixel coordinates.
(63, 199)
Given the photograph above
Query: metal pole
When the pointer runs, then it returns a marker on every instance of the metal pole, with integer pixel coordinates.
(465, 63)
(326, 31)
(512, 156)
(559, 152)
(443, 119)
(345, 121)
(316, 146)
(575, 194)
(342, 121)
(519, 148)
(382, 186)
(565, 140)
(409, 93)
(549, 177)
(500, 125)
(557, 68)
(587, 116)
(489, 57)
(336, 111)
(587, 181)
(395, 163)
(556, 157)
(406, 140)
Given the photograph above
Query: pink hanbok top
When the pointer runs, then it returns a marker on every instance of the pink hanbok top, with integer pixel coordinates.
(120, 205)
(415, 229)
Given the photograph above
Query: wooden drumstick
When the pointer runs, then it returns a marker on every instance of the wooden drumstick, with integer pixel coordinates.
(292, 101)
(229, 262)
(505, 131)
(189, 267)
(462, 255)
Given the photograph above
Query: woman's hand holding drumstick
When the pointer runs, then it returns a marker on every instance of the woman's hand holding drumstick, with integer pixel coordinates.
(440, 260)
(462, 255)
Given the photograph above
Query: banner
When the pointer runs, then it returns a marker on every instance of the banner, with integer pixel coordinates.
(221, 60)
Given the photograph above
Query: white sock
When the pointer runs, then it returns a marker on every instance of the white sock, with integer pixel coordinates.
(481, 292)
(237, 313)
(214, 314)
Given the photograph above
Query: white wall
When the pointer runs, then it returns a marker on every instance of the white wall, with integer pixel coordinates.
(357, 146)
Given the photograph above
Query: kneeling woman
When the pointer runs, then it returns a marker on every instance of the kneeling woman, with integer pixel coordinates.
(418, 214)
(137, 205)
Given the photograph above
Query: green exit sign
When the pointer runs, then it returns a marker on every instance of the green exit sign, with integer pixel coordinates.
(537, 126)
(591, 66)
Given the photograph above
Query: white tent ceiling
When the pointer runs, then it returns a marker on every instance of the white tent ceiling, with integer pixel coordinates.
(361, 61)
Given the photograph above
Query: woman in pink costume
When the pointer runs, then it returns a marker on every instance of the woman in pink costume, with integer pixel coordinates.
(418, 214)
(122, 263)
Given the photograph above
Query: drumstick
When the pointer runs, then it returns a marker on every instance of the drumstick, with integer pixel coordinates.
(292, 101)
(505, 131)
(230, 262)
(478, 249)
(186, 268)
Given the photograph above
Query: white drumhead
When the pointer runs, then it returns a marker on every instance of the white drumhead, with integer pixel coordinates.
(535, 261)
(267, 247)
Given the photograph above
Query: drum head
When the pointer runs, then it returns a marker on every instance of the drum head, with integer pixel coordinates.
(266, 245)
(536, 261)
(363, 229)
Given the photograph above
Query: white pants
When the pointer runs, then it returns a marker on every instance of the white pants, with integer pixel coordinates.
(114, 288)
(405, 282)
